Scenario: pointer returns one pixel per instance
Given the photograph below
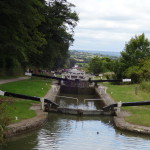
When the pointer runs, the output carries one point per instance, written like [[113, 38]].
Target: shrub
[[4, 119], [109, 75]]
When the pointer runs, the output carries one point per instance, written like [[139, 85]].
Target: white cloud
[[110, 21]]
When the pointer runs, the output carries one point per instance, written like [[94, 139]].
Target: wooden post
[[119, 104], [95, 84], [136, 90], [59, 82]]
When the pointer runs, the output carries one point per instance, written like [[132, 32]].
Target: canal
[[70, 132], [67, 132]]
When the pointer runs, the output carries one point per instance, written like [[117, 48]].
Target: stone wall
[[106, 98]]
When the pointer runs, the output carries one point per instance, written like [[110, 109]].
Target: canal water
[[83, 101], [69, 132]]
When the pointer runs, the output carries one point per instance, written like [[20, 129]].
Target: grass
[[145, 86], [140, 116], [32, 87], [21, 108], [126, 93]]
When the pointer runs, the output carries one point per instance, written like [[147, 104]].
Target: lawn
[[18, 110], [126, 93], [21, 108], [32, 87]]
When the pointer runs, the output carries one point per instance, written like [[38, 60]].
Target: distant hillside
[[106, 53]]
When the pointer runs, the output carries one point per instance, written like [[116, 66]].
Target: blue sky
[[106, 25]]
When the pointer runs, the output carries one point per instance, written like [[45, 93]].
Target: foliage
[[35, 34], [100, 65], [134, 73], [58, 31], [134, 61], [19, 34], [96, 66], [4, 119], [12, 108], [109, 75], [71, 62]]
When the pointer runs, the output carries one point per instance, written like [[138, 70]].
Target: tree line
[[35, 34], [133, 63]]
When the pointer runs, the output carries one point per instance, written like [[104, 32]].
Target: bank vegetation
[[14, 110]]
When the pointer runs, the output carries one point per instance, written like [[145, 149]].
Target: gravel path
[[2, 81]]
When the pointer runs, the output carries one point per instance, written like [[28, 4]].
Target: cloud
[[110, 21]]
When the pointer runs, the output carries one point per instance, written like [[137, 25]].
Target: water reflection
[[63, 132]]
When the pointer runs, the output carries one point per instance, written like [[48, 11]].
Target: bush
[[134, 73], [109, 75], [4, 119]]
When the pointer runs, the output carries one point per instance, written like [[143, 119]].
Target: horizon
[[95, 50], [107, 25]]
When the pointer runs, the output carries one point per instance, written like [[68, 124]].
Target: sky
[[107, 25]]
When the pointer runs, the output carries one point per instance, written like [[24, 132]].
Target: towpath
[[2, 81]]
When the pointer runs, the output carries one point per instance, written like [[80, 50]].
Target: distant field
[[109, 53]]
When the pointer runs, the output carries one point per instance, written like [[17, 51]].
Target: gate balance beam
[[118, 80], [141, 103], [44, 76], [34, 98]]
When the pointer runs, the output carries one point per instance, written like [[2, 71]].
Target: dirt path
[[3, 81]]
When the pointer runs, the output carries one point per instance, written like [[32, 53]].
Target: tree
[[58, 30], [96, 65], [19, 33], [135, 50], [35, 34], [129, 64]]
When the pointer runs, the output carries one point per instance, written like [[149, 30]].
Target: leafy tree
[[35, 34], [19, 34], [145, 69], [130, 63], [96, 65], [58, 30], [135, 50]]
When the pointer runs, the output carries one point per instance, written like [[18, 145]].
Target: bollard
[[2, 93], [105, 89], [16, 117]]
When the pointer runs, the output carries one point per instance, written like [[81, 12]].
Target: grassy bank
[[126, 93], [20, 108], [32, 87]]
